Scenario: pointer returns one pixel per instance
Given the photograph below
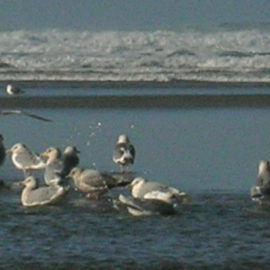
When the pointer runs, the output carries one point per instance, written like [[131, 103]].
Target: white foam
[[242, 55]]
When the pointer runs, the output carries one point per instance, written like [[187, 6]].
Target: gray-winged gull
[[124, 152], [261, 191], [13, 90], [24, 159], [2, 150], [19, 112], [143, 189], [54, 164], [32, 195], [148, 207], [92, 182]]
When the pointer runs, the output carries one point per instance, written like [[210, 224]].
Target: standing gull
[[24, 159], [19, 112], [92, 182], [70, 159], [143, 189], [13, 91], [32, 195], [54, 164], [124, 153], [261, 191]]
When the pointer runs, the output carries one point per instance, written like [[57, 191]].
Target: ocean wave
[[222, 55]]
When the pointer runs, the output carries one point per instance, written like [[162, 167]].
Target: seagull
[[70, 159], [2, 150], [19, 112], [58, 164], [54, 164], [24, 159], [13, 91], [124, 153], [149, 207], [92, 182], [143, 189], [261, 191], [32, 195]]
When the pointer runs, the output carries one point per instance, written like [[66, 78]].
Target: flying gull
[[19, 112]]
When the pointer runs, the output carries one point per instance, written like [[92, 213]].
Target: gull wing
[[25, 113]]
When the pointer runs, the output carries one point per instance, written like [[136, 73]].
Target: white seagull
[[143, 189], [13, 90], [260, 192], [24, 159], [32, 195]]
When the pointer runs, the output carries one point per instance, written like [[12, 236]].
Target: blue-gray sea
[[205, 140]]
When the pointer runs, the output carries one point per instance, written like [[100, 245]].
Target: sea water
[[194, 103], [211, 152]]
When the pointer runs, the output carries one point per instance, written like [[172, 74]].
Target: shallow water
[[210, 152]]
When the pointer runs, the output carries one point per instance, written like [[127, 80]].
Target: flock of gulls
[[61, 168], [62, 175]]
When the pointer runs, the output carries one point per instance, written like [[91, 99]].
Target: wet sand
[[192, 99], [136, 101], [133, 84]]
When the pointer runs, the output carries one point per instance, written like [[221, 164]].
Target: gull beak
[[130, 186], [44, 154], [9, 151], [69, 176], [21, 183]]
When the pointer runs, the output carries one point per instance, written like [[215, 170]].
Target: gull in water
[[24, 159], [54, 164], [148, 207], [59, 164], [19, 112], [2, 150], [70, 159], [124, 153], [92, 182], [32, 195], [13, 91], [261, 191], [143, 189]]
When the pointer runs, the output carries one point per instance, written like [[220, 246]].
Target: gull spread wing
[[25, 113]]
